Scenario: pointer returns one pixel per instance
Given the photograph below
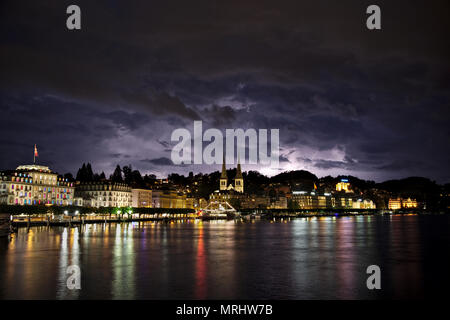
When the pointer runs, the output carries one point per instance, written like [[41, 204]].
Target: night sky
[[347, 100]]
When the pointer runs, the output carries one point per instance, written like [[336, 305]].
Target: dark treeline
[[120, 175]]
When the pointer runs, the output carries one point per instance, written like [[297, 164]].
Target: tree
[[127, 174], [89, 173], [136, 178], [117, 175], [81, 174]]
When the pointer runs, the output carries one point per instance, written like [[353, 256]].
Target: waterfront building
[[395, 204], [168, 198], [104, 194], [278, 203], [226, 195], [399, 203], [240, 200], [344, 202], [191, 203], [409, 203], [364, 204], [141, 198], [35, 185], [254, 202], [314, 200]]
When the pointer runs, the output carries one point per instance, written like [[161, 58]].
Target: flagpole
[[34, 155]]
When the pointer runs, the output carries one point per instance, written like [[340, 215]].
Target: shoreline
[[81, 221]]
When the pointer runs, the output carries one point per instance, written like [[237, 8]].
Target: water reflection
[[200, 266], [307, 258]]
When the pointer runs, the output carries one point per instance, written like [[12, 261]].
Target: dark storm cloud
[[159, 161], [346, 100], [283, 159], [328, 164]]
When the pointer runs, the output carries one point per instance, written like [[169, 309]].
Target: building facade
[[141, 198], [344, 186], [400, 203], [238, 179], [103, 194], [168, 199], [314, 200], [35, 185]]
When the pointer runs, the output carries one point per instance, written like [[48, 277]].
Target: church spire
[[224, 169], [223, 176], [239, 179], [238, 170]]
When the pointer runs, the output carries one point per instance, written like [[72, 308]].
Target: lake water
[[305, 258]]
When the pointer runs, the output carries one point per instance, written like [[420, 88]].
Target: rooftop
[[34, 167]]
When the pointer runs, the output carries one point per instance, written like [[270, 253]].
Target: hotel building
[[34, 185], [103, 194], [168, 199], [141, 198], [399, 203], [313, 200]]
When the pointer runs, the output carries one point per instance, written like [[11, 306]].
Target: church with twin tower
[[238, 179]]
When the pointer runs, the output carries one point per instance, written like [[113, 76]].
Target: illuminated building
[[254, 202], [395, 204], [104, 194], [168, 199], [399, 203], [225, 195], [141, 198], [279, 203], [34, 185], [344, 185], [238, 179], [314, 200], [408, 203], [191, 203], [363, 204]]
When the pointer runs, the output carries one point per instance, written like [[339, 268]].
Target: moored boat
[[217, 210]]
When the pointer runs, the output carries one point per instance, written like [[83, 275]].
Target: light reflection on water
[[307, 258]]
